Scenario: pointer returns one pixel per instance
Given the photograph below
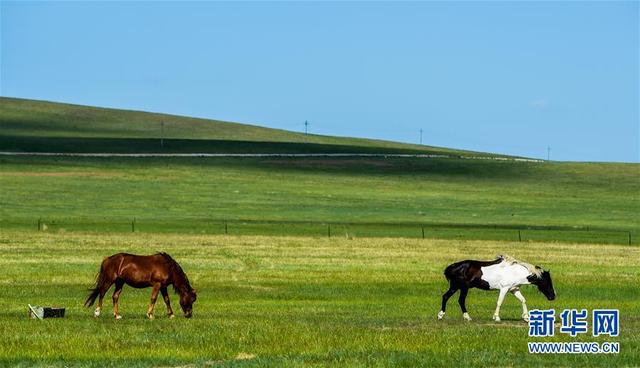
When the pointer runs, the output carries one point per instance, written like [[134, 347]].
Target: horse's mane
[[183, 281], [535, 270]]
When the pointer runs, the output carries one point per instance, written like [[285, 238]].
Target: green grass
[[368, 196], [355, 299], [196, 195], [40, 126], [301, 301]]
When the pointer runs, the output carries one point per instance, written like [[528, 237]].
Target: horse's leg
[[525, 313], [115, 297], [461, 300], [103, 290], [154, 297], [503, 293], [165, 296], [445, 297]]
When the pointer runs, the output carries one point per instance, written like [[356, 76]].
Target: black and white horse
[[505, 274]]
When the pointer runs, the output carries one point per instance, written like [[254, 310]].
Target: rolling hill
[[381, 196], [39, 126]]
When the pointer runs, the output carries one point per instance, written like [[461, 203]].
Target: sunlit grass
[[300, 301]]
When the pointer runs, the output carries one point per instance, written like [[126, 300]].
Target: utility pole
[[306, 126], [162, 134], [420, 136], [548, 152]]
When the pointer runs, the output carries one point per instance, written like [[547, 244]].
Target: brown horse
[[157, 271]]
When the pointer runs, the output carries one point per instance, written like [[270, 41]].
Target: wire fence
[[504, 232]]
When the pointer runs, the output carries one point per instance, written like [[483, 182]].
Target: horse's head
[[186, 302], [544, 284]]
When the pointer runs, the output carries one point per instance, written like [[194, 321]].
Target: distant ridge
[[41, 126]]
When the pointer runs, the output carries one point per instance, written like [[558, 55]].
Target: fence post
[[519, 236], [39, 220], [133, 225], [629, 232], [226, 230], [329, 230], [422, 232]]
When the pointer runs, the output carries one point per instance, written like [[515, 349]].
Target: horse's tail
[[100, 281]]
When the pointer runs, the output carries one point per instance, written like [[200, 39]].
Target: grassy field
[[302, 302], [366, 296], [291, 196], [196, 195]]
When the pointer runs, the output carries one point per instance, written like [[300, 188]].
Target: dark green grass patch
[[154, 145]]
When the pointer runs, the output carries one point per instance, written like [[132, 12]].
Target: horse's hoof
[[118, 316], [171, 316], [440, 315], [525, 318], [96, 313], [466, 316], [496, 318]]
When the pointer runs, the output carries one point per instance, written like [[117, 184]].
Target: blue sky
[[507, 77]]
